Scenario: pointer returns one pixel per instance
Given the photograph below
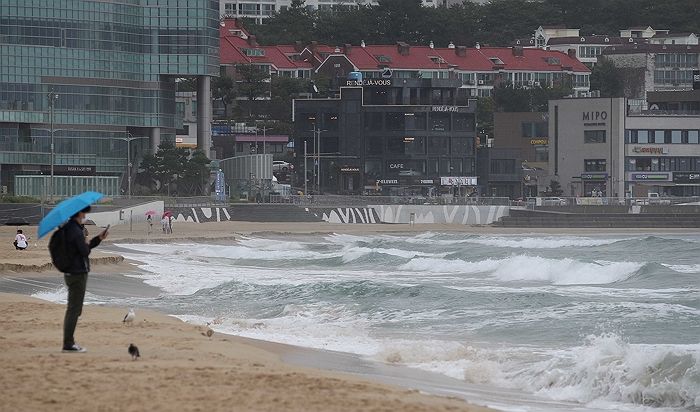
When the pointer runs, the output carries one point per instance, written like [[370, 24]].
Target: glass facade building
[[110, 66]]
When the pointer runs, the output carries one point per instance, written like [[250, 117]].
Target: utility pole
[[306, 171], [52, 99]]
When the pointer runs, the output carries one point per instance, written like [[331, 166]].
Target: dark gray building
[[387, 136]]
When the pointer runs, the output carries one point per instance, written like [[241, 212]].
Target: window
[[693, 137], [440, 122], [395, 121], [464, 122], [541, 153], [503, 166], [595, 165], [373, 121], [416, 121], [535, 129], [438, 145], [594, 136], [463, 146], [254, 52], [676, 136], [375, 145], [659, 137]]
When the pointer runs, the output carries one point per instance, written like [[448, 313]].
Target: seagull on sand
[[129, 318], [134, 351]]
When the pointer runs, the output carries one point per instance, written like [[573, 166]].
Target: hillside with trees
[[497, 23]]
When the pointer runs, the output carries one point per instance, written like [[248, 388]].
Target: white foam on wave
[[607, 368], [564, 271], [540, 242], [683, 268], [533, 268]]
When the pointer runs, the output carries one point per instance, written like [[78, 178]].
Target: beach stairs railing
[[547, 219]]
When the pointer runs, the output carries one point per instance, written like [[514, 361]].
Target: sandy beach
[[180, 369]]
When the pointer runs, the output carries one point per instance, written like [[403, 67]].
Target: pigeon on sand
[[129, 318], [134, 351]]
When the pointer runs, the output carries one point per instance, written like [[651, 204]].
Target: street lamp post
[[317, 156], [306, 171], [129, 137], [52, 99]]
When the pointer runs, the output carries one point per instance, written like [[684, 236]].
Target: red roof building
[[480, 68]]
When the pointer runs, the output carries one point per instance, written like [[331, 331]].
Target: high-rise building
[[84, 83]]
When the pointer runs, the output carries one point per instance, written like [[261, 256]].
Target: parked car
[[554, 201], [281, 166]]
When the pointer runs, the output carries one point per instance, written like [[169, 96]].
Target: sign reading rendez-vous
[[368, 82]]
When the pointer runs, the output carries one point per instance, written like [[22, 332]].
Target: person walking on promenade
[[77, 250]]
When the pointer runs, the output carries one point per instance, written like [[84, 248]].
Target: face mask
[[83, 221]]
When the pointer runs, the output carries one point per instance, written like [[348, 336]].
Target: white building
[[589, 47], [261, 9]]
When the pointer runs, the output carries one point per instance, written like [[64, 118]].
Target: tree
[[223, 88], [173, 167], [554, 189], [195, 175], [251, 83], [283, 90], [608, 79]]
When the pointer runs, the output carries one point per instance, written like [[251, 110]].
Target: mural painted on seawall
[[465, 215], [351, 215], [200, 214]]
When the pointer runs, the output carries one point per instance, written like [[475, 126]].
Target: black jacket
[[77, 247]]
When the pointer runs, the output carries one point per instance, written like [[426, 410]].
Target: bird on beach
[[129, 317], [134, 351], [209, 331]]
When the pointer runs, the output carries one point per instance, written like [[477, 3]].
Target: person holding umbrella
[[70, 252]]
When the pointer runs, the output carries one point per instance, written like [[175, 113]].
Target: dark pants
[[76, 283]]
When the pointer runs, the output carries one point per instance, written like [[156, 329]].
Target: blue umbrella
[[64, 210]]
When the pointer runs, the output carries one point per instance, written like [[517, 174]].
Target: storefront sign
[[458, 181], [368, 82], [650, 176], [388, 182], [696, 79], [594, 116], [539, 141], [395, 165], [445, 109], [426, 181], [650, 149], [348, 169], [69, 170], [686, 177], [594, 176]]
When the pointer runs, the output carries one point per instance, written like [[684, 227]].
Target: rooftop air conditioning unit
[[537, 84], [481, 82]]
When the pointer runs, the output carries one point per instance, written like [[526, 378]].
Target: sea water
[[609, 322]]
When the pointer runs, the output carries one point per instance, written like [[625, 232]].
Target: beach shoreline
[[36, 258], [180, 369]]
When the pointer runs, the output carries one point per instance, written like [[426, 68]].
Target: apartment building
[[262, 9]]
